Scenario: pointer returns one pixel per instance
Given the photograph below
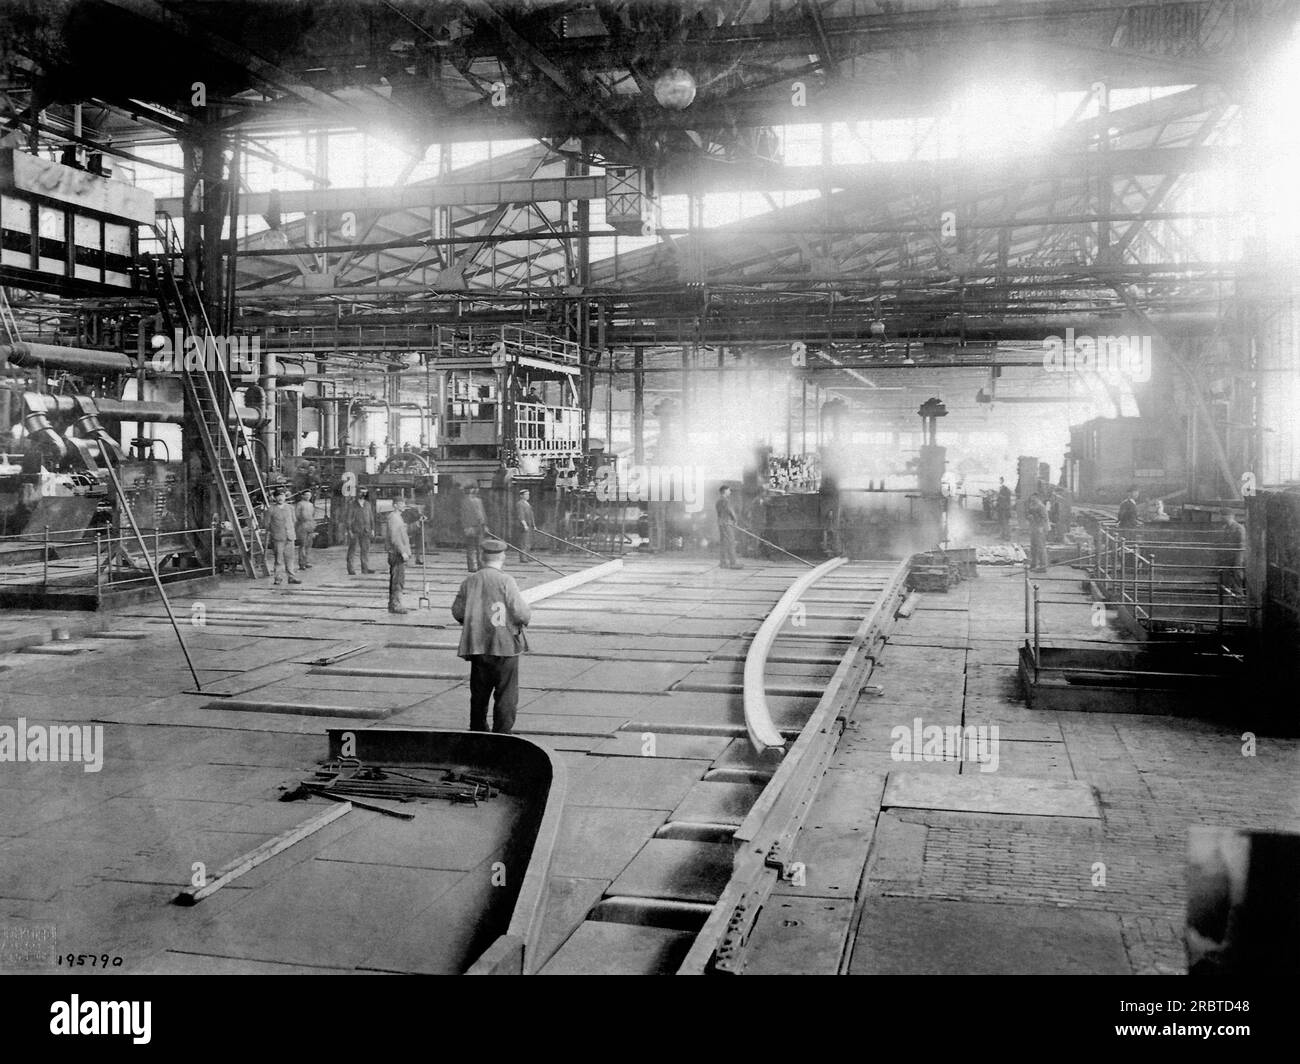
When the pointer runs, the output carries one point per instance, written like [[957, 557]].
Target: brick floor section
[[1154, 777]]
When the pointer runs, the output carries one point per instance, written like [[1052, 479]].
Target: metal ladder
[[211, 397], [7, 322]]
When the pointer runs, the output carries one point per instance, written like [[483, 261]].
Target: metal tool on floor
[[425, 602], [326, 792], [350, 778]]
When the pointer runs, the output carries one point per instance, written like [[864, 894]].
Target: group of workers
[[474, 527], [488, 605], [1044, 510], [288, 525]]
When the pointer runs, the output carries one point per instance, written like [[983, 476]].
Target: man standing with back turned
[[493, 615], [473, 521], [399, 553]]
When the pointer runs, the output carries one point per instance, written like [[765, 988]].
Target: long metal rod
[[530, 557], [1026, 600], [796, 557], [1037, 649], [579, 546], [153, 569]]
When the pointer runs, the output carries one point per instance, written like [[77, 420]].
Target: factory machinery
[[76, 418], [82, 482]]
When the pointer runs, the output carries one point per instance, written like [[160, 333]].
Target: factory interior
[[886, 411]]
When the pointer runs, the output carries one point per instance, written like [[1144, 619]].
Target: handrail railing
[[117, 558], [1124, 569]]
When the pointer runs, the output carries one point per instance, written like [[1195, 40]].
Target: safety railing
[[1163, 594], [516, 341], [540, 345], [344, 337], [100, 558]]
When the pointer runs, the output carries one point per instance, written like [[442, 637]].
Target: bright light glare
[[1276, 141], [994, 119]]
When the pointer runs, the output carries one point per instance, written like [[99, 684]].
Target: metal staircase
[[210, 394]]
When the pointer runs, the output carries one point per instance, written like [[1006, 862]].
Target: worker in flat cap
[[524, 519], [359, 521], [493, 615], [280, 528]]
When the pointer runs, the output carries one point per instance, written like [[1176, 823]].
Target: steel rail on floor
[[763, 734], [764, 839]]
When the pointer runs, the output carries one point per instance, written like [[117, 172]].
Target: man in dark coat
[[727, 528], [524, 521], [1003, 507], [493, 615], [1128, 510], [359, 524]]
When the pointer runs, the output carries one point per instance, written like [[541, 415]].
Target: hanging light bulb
[[675, 89]]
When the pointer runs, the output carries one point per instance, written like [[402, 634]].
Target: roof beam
[[1072, 165], [579, 96], [188, 28], [420, 196]]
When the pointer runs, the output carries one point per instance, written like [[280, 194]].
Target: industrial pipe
[[286, 373], [41, 356], [88, 425], [37, 424], [270, 425], [123, 409]]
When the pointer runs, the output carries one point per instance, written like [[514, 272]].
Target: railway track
[[687, 900]]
